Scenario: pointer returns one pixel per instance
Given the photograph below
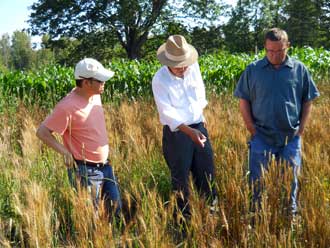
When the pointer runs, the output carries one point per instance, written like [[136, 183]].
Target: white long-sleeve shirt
[[179, 100]]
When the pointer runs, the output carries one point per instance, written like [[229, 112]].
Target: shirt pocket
[[293, 90], [293, 83], [177, 97]]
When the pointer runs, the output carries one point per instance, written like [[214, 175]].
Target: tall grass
[[38, 208]]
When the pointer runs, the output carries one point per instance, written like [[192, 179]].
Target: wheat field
[[38, 208]]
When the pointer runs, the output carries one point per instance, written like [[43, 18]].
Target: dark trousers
[[182, 155]]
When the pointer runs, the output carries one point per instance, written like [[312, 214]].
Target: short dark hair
[[79, 82], [276, 34]]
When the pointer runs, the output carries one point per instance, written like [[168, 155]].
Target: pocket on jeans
[[253, 136], [295, 143], [250, 140], [258, 145]]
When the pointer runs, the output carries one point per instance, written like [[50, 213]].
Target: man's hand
[[245, 109], [300, 132], [45, 135], [252, 131], [305, 113], [68, 159], [196, 136]]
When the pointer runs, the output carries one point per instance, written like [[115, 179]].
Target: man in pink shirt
[[79, 119]]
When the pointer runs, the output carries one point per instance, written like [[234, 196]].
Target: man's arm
[[245, 109], [46, 136], [305, 113], [197, 136]]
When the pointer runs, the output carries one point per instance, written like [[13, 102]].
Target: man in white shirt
[[179, 94]]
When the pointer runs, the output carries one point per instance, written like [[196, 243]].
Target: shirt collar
[[288, 62], [264, 62]]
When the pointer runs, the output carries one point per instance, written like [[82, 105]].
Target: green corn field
[[132, 80]]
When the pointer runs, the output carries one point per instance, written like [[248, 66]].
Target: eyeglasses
[[276, 51], [98, 81], [93, 79]]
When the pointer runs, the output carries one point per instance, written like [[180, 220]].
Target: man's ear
[[86, 82]]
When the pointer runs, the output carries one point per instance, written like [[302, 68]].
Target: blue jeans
[[104, 182], [259, 157]]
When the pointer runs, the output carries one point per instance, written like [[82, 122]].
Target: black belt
[[195, 125], [91, 164]]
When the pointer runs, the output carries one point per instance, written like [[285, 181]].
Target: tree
[[43, 56], [207, 39], [238, 30], [324, 9], [130, 20], [159, 35], [5, 51], [248, 22], [21, 51], [303, 22], [98, 45], [266, 14]]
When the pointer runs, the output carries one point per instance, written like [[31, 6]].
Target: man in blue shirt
[[276, 96]]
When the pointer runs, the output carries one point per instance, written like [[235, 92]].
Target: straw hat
[[176, 52]]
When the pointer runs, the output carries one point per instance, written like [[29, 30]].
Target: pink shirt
[[82, 126]]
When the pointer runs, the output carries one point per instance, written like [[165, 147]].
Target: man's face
[[178, 71], [96, 86], [276, 51]]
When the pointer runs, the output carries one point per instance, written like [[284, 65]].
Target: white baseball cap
[[91, 68]]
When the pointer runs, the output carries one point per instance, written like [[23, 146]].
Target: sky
[[15, 13]]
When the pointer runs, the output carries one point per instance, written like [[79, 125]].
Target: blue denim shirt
[[276, 97]]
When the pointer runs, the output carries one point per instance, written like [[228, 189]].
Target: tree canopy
[[306, 22], [130, 21], [102, 29]]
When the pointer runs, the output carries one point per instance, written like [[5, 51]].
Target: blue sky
[[15, 13]]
